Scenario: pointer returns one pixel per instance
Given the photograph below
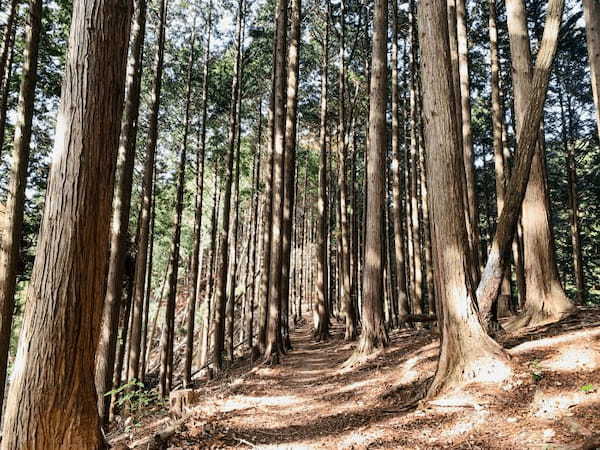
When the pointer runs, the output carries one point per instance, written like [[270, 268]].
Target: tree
[[374, 334], [105, 354], [11, 238], [141, 256], [591, 10], [61, 324], [467, 353]]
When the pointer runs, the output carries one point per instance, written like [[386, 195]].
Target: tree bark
[[146, 200], [105, 354], [6, 66], [52, 403], [467, 353], [528, 133], [374, 334], [223, 254], [10, 240]]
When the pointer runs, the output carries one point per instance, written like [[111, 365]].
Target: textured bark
[[105, 354], [528, 133], [166, 345], [398, 213], [320, 319], [467, 137], [52, 403], [274, 314], [497, 131], [218, 339], [146, 200], [6, 65], [148, 292], [10, 239], [374, 334], [545, 298], [197, 251], [467, 353], [591, 10], [293, 69]]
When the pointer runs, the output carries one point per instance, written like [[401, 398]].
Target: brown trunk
[[144, 216], [374, 334], [218, 339], [105, 354], [274, 315], [6, 68], [52, 403], [293, 56], [545, 299], [148, 292], [197, 251], [467, 354], [166, 347], [528, 133], [10, 239], [591, 10]]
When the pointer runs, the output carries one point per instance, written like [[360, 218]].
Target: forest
[[347, 224]]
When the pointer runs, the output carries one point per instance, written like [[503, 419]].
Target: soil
[[311, 400]]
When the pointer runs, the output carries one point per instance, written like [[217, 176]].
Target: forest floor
[[311, 401]]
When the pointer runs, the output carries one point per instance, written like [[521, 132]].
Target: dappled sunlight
[[574, 358], [553, 405]]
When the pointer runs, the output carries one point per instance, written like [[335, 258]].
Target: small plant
[[536, 373], [588, 388], [133, 396]]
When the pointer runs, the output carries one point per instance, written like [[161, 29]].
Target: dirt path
[[311, 401]]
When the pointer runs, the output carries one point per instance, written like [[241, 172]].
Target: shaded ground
[[310, 401]]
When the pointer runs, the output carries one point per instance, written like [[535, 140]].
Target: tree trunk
[[374, 334], [321, 321], [166, 348], [197, 251], [144, 215], [10, 240], [223, 254], [105, 354], [528, 133], [6, 66], [148, 291], [591, 10], [467, 353], [52, 403], [545, 299]]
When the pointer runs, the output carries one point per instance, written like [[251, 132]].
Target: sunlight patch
[[574, 358]]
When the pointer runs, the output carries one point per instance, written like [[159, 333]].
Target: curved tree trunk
[[105, 354], [52, 403]]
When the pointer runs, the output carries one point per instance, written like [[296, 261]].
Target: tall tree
[[467, 353], [374, 334], [52, 403], [10, 240], [141, 257], [168, 336], [293, 69], [279, 99], [196, 255], [224, 238], [105, 354]]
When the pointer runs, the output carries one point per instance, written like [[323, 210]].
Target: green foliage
[[134, 397]]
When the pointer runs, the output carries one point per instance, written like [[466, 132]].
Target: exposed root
[[537, 318]]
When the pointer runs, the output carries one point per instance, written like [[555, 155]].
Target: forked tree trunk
[[467, 353], [293, 69], [320, 319], [105, 354], [528, 133], [218, 339], [374, 334], [10, 240], [146, 200], [274, 314], [591, 10], [52, 401], [545, 298], [199, 200], [166, 345]]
